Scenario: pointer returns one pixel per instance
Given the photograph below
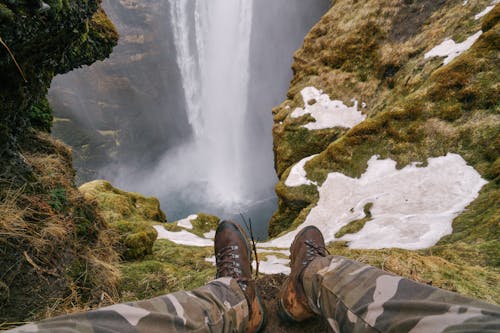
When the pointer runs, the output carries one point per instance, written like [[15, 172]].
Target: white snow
[[273, 265], [298, 175], [449, 49], [182, 237], [211, 259], [465, 2], [487, 9], [186, 223], [412, 207], [270, 265], [326, 112], [210, 234]]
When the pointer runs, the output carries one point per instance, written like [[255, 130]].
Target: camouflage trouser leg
[[354, 297], [219, 306]]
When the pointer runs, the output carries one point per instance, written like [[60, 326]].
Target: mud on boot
[[307, 246]]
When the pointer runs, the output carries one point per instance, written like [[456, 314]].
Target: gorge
[[189, 122], [384, 135]]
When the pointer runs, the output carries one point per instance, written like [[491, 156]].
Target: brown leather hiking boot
[[307, 245], [233, 259]]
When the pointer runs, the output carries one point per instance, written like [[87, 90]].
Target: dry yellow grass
[[58, 253]]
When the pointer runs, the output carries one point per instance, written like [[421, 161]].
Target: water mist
[[182, 109], [212, 40]]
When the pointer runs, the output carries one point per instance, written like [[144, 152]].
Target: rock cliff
[[389, 131], [55, 250], [385, 90]]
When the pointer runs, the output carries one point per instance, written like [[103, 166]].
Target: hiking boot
[[233, 259], [307, 246]]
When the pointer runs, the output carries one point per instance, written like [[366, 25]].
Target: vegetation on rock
[[56, 251], [417, 108], [36, 45], [131, 215]]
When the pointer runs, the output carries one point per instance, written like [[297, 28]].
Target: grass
[[417, 108], [171, 267], [57, 252], [428, 267], [131, 215]]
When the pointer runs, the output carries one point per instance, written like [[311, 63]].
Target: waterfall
[[174, 95], [212, 41]]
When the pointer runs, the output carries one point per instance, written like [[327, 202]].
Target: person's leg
[[353, 297], [229, 304], [219, 306]]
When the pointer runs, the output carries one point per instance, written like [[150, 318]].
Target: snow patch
[[487, 10], [273, 265], [449, 49], [182, 237], [298, 175], [186, 223], [412, 208], [211, 260], [327, 113], [210, 234]]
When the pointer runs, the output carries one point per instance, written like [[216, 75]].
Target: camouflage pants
[[219, 306], [353, 297], [350, 296]]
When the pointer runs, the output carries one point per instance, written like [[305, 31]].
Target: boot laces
[[228, 265], [314, 250]]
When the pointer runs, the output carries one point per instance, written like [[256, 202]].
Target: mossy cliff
[[151, 267], [56, 252], [39, 42], [416, 108], [130, 214]]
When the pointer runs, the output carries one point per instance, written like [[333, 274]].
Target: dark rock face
[[36, 45], [48, 232], [130, 108]]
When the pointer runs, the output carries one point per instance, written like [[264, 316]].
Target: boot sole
[[262, 308]]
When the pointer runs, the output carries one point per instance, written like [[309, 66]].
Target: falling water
[[212, 40], [175, 94]]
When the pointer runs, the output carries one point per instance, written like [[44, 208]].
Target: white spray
[[212, 40]]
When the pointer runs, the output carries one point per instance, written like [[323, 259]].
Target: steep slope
[[56, 252], [419, 83]]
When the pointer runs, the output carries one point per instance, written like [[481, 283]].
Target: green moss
[[6, 14], [170, 268], [40, 116], [300, 143], [130, 214], [356, 225], [117, 204], [204, 223], [140, 243], [430, 110], [58, 198]]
